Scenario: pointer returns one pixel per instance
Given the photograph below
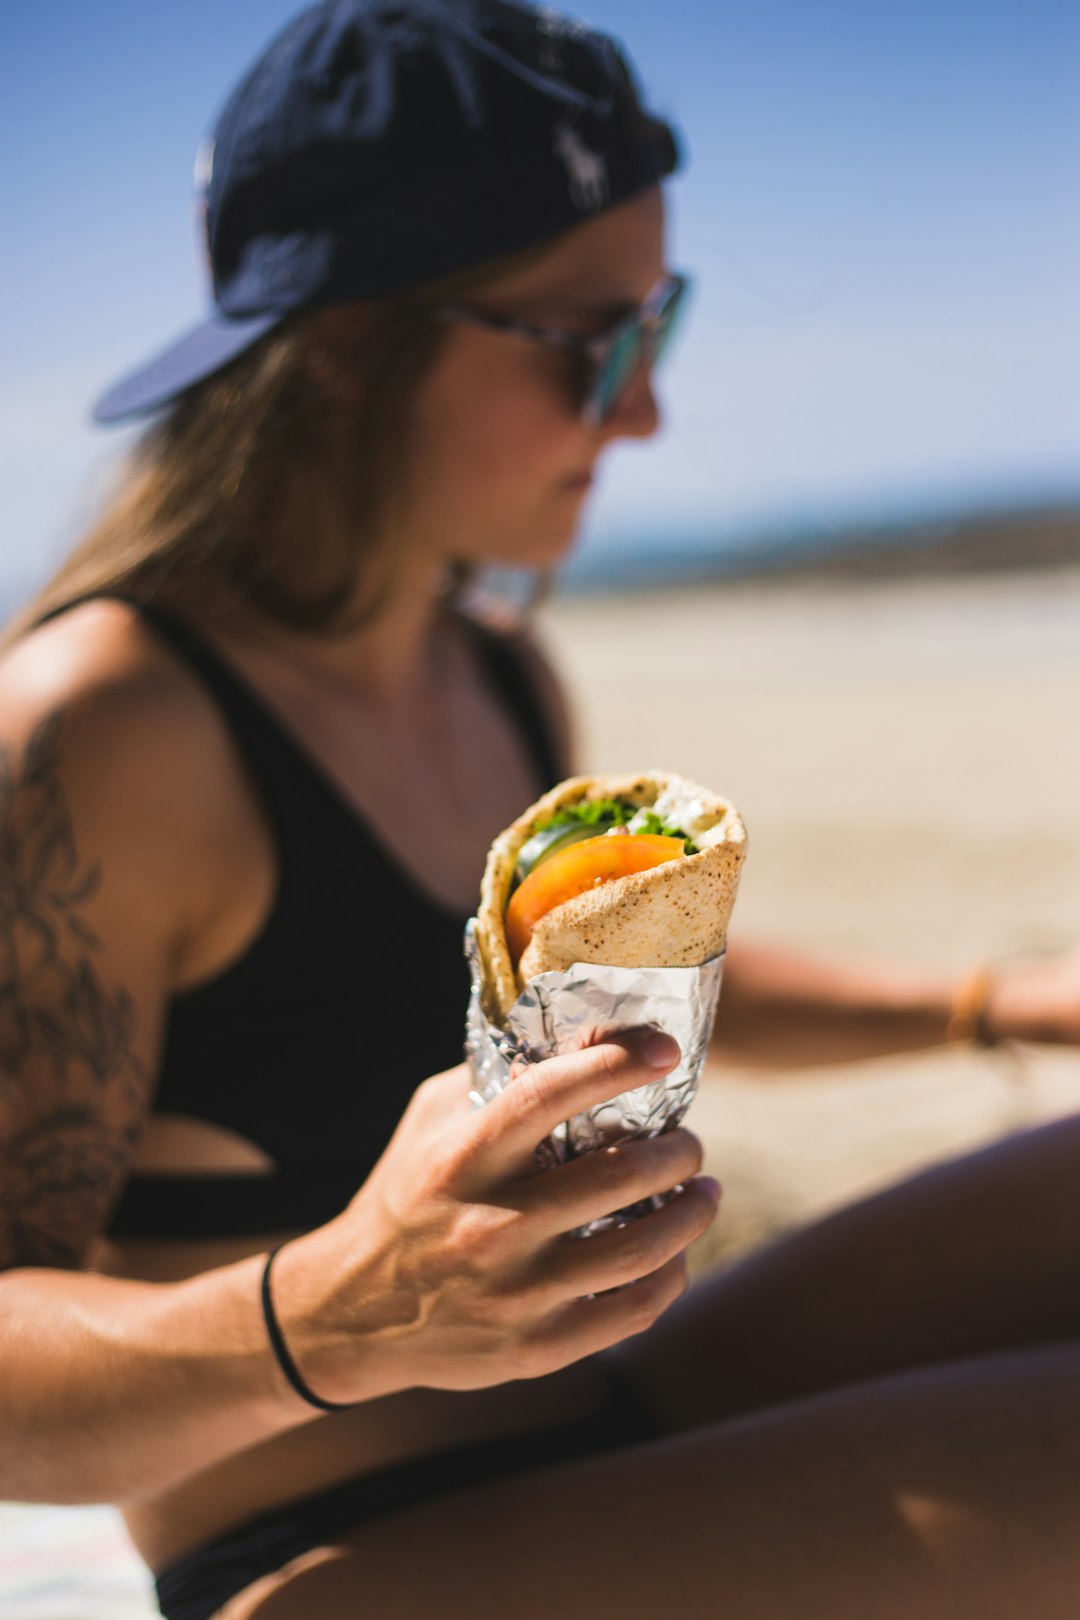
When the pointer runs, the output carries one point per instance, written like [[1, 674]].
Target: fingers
[[612, 1178], [531, 1107], [588, 1325], [630, 1277], [608, 1260]]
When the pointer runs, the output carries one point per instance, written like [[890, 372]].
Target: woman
[[255, 751]]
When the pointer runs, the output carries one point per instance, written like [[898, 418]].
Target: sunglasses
[[612, 358]]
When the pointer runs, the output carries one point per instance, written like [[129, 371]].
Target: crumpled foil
[[563, 1012]]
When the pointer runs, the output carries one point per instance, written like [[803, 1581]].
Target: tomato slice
[[581, 867]]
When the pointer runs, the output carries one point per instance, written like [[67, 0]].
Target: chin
[[539, 551]]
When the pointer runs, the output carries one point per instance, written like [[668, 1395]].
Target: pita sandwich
[[674, 914]]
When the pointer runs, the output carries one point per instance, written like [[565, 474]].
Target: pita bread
[[674, 915]]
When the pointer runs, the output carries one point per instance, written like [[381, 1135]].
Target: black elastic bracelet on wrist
[[281, 1349]]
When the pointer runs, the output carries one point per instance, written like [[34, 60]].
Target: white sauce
[[680, 805]]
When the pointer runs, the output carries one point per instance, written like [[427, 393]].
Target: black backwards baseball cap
[[380, 144]]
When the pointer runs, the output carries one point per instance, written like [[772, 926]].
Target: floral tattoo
[[72, 1089]]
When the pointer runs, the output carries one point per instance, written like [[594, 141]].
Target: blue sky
[[880, 211]]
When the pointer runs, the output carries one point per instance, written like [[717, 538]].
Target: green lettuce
[[606, 813]]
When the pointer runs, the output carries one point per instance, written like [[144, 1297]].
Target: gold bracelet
[[969, 1009]]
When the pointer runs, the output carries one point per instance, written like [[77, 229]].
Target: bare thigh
[[975, 1256], [948, 1493]]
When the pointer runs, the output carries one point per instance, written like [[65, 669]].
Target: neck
[[389, 656], [386, 659]]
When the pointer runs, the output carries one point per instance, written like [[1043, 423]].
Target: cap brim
[[199, 354]]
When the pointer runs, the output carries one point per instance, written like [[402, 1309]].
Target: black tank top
[[354, 990]]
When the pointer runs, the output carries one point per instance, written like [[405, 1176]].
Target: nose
[[636, 414]]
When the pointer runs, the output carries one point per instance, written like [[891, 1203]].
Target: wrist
[[301, 1291], [315, 1287], [279, 1346], [972, 1016]]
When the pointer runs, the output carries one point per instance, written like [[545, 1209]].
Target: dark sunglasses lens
[[616, 372], [667, 321], [634, 343]]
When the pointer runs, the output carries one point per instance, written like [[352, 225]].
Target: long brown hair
[[218, 494]]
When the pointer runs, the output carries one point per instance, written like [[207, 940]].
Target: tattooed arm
[[108, 1387], [73, 1085]]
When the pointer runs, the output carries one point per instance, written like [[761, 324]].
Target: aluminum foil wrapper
[[563, 1012]]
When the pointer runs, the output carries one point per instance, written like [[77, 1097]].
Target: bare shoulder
[[100, 661], [502, 620], [95, 699]]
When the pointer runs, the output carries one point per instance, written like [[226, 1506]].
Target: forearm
[[111, 1388], [783, 1009]]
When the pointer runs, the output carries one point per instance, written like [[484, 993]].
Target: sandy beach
[[905, 755]]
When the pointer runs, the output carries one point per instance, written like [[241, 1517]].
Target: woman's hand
[[451, 1268], [1037, 1001]]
